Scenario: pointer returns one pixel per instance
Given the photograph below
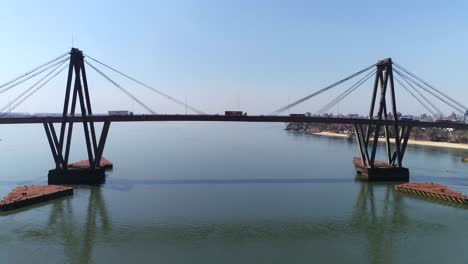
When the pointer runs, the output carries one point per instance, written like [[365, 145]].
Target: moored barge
[[433, 190], [28, 195]]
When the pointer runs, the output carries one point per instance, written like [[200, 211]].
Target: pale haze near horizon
[[219, 55]]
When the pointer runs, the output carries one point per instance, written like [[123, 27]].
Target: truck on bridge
[[234, 113], [120, 112]]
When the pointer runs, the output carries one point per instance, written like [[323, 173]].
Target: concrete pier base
[[77, 176], [380, 172]]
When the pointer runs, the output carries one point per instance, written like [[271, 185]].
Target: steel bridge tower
[[368, 137], [76, 90]]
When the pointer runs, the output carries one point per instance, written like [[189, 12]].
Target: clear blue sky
[[212, 52]]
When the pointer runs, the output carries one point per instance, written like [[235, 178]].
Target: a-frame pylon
[[76, 90], [368, 136]]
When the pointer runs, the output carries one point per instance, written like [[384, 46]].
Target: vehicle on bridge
[[408, 117], [120, 112], [233, 113], [297, 115]]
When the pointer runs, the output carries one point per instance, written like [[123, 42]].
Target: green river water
[[229, 193]]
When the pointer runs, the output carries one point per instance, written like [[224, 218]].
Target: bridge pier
[[60, 145], [64, 173], [380, 172], [77, 176], [367, 167]]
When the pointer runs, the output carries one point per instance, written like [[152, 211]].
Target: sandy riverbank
[[411, 142]]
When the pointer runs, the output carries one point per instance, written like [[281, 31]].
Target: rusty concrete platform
[[28, 195], [84, 164]]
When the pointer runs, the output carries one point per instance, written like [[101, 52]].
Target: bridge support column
[[394, 135], [76, 90], [90, 173], [381, 170]]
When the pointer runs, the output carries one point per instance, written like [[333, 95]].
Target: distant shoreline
[[410, 142]]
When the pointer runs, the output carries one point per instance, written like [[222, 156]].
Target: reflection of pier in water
[[79, 242], [378, 218], [379, 226]]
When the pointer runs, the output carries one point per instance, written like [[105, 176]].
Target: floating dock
[[433, 190], [380, 172], [84, 164], [28, 195]]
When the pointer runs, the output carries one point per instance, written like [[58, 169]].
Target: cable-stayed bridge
[[381, 117]]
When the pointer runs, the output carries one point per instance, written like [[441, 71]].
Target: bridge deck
[[223, 118]]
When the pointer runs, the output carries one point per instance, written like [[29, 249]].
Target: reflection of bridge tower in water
[[380, 222], [79, 244]]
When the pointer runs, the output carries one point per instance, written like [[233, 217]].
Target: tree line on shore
[[417, 133]]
